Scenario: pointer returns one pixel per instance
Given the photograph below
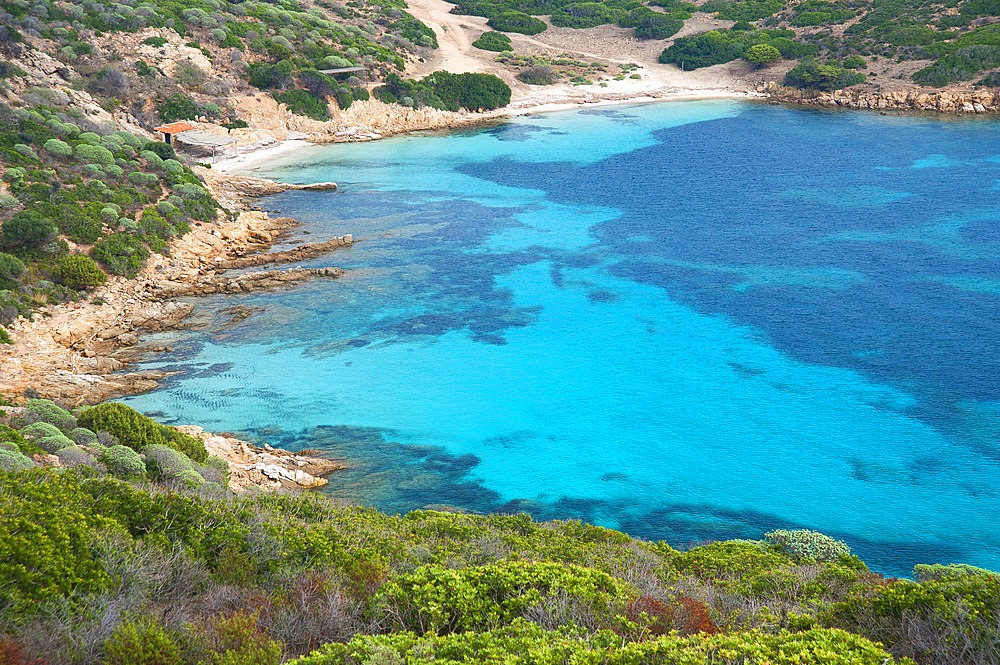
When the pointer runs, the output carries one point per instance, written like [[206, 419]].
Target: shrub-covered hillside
[[833, 42], [136, 555], [215, 48], [81, 199]]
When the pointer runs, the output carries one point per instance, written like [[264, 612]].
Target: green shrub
[[806, 545], [11, 268], [14, 461], [855, 62], [142, 642], [39, 430], [58, 148], [166, 464], [155, 42], [523, 643], [493, 41], [178, 107], [94, 154], [137, 431], [53, 444], [933, 572], [47, 411], [514, 21], [302, 102], [442, 600], [811, 74], [28, 227], [78, 271], [121, 253], [160, 149], [123, 462], [761, 54], [10, 435], [82, 436]]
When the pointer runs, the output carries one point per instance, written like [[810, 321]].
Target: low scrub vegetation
[[137, 554]]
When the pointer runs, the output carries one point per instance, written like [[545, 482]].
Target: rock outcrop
[[265, 467], [981, 101], [68, 352], [304, 252], [245, 283]]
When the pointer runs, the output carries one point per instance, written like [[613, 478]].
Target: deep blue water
[[688, 321]]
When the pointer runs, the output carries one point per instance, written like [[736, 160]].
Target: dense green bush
[[10, 435], [806, 545], [40, 430], [447, 91], [123, 462], [45, 543], [78, 271], [58, 148], [137, 431], [11, 268], [302, 102], [11, 460], [47, 411], [493, 41], [121, 253], [94, 154], [831, 76], [441, 600], [160, 149], [761, 54], [719, 46], [178, 106], [514, 21], [522, 643], [28, 228]]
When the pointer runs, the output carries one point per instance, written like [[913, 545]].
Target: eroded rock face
[[265, 467]]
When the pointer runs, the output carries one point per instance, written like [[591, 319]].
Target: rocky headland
[[72, 352]]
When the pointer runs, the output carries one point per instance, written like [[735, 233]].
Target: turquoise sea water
[[688, 321]]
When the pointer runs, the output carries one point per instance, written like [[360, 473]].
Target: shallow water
[[688, 321]]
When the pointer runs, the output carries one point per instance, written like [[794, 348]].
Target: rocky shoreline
[[915, 100], [73, 352]]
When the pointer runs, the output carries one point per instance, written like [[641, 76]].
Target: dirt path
[[606, 43], [455, 35]]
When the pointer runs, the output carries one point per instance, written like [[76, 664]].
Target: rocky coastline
[[78, 353], [914, 100]]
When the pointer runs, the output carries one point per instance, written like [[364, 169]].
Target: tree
[[761, 54]]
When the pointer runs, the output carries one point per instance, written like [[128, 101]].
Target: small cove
[[688, 321]]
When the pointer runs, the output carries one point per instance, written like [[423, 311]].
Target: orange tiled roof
[[174, 128]]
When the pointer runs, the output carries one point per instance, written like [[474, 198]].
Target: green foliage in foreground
[[211, 578], [522, 643]]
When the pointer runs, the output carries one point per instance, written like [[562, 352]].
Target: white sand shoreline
[[253, 156]]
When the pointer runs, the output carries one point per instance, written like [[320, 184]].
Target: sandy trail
[[455, 34], [607, 43]]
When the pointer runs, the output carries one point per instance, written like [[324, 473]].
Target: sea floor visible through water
[[688, 320]]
